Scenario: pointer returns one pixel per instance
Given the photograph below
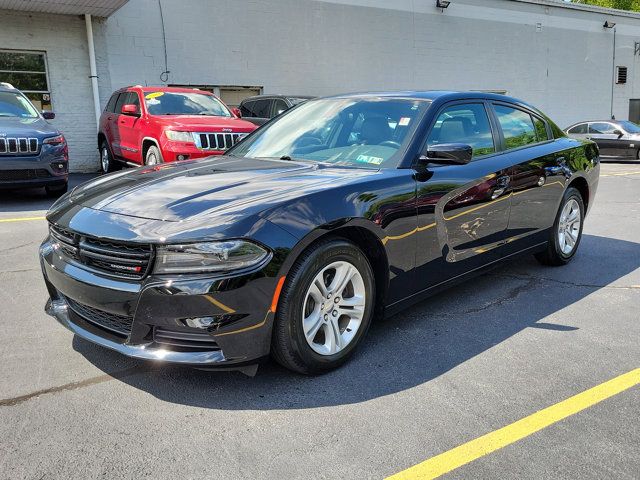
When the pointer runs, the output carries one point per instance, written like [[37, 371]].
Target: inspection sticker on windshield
[[151, 95], [404, 121], [369, 159]]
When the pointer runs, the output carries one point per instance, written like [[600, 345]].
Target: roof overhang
[[98, 8]]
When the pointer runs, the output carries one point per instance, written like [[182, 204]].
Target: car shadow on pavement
[[408, 349], [31, 199]]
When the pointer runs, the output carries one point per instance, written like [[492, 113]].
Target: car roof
[[276, 95], [165, 89]]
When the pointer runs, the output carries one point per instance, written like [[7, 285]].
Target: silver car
[[616, 139]]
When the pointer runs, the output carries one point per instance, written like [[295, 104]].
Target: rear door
[[463, 210], [609, 142], [536, 174]]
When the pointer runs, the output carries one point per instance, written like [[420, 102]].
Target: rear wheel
[[325, 308], [107, 164], [57, 191], [566, 232], [153, 156]]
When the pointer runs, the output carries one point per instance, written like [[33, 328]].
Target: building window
[[232, 95], [27, 71]]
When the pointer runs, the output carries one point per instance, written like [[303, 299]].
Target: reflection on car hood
[[216, 187], [26, 127], [205, 123]]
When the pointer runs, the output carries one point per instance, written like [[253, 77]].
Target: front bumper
[[49, 168], [171, 150], [239, 306]]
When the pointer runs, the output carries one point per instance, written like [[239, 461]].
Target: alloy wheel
[[569, 226], [333, 308], [104, 159]]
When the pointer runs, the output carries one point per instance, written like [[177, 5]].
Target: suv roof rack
[[7, 85]]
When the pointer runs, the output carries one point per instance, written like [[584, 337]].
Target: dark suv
[[32, 152], [262, 108]]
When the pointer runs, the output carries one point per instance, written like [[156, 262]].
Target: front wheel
[[107, 164], [325, 308], [566, 232], [153, 157]]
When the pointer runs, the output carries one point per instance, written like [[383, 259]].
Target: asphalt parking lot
[[451, 369]]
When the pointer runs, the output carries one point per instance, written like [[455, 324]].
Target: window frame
[[46, 75], [503, 148], [589, 132], [490, 117]]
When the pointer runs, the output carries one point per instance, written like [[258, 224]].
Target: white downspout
[[92, 66]]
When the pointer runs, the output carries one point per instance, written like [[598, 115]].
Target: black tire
[[57, 191], [153, 156], [553, 255], [107, 163], [289, 345]]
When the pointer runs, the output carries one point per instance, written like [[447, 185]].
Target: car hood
[[26, 127], [194, 198], [205, 123]]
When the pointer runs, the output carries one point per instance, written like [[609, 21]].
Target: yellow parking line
[[23, 219], [618, 174], [481, 446]]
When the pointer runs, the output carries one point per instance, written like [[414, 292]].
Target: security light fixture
[[442, 4], [609, 24]]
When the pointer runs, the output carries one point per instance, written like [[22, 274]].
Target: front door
[[463, 210], [610, 143]]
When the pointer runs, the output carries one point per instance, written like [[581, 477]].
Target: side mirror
[[448, 154], [236, 112], [48, 115], [130, 109], [620, 133]]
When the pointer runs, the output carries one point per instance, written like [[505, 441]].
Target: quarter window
[[111, 104], [579, 129], [27, 71], [517, 127], [467, 124]]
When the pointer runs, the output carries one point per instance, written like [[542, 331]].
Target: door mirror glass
[[130, 109], [448, 154]]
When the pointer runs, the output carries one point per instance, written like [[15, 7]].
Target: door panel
[[608, 142], [463, 210]]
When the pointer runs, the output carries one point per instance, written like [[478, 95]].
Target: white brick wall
[[63, 38]]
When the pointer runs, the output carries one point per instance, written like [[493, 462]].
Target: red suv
[[151, 125]]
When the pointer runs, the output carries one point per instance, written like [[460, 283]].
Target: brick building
[[556, 55]]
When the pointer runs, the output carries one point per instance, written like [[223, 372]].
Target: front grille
[[217, 141], [22, 145], [118, 324], [184, 340], [118, 259], [25, 174]]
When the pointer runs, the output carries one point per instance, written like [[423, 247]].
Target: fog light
[[182, 157], [199, 322]]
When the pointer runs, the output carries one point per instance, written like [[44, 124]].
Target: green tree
[[619, 4]]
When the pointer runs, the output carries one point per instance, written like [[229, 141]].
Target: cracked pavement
[[470, 360]]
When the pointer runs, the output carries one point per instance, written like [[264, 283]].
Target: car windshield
[[630, 127], [16, 105], [360, 131], [184, 103]]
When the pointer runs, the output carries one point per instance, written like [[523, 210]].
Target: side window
[[247, 109], [541, 129], [517, 126], [262, 108], [579, 129], [134, 99], [601, 127], [111, 104], [122, 100], [468, 124], [279, 106]]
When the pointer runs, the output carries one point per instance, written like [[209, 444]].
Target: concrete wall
[[64, 39], [325, 47]]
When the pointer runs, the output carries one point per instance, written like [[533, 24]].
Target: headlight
[[208, 257], [176, 136]]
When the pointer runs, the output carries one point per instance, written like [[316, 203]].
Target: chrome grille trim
[[15, 145], [219, 141]]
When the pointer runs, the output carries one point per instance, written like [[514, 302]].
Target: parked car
[[262, 108], [33, 153], [617, 140], [340, 209], [152, 125]]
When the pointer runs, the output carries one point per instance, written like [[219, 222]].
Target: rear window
[[579, 129]]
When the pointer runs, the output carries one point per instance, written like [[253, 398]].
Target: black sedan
[[617, 140], [342, 210]]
